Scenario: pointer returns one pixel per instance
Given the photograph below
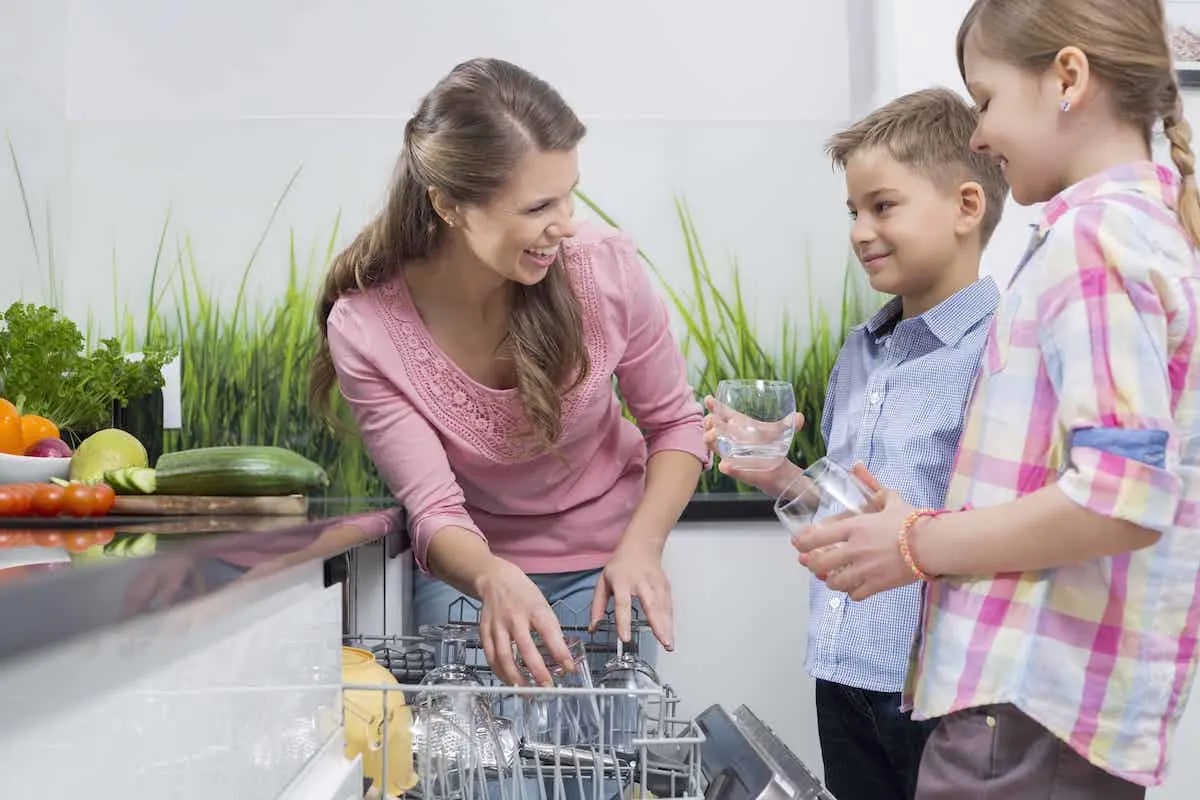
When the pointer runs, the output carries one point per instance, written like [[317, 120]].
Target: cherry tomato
[[48, 538], [24, 494], [79, 541], [103, 498], [18, 538], [8, 502], [48, 500], [79, 500]]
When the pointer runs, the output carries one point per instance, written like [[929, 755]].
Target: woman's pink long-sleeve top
[[448, 447]]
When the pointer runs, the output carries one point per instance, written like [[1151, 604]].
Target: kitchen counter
[[179, 657], [61, 582]]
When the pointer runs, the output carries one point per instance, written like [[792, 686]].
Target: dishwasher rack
[[489, 741]]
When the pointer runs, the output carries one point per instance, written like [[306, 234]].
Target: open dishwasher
[[440, 726]]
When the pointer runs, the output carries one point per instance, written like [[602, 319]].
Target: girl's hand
[[859, 554]]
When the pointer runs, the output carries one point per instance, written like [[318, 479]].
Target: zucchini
[[241, 471]]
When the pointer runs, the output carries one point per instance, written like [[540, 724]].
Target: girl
[[1060, 617]]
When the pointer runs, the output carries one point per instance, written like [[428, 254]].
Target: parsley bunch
[[44, 370]]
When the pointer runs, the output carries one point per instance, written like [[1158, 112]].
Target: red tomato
[[8, 501], [79, 541], [48, 500], [79, 500], [17, 499], [103, 498], [48, 538]]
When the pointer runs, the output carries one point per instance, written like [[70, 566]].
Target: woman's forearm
[[460, 558], [671, 477]]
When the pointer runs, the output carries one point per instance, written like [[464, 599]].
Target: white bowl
[[28, 469]]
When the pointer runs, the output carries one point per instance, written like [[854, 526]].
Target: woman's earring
[[1066, 105]]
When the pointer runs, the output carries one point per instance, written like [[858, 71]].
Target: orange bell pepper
[[11, 441], [34, 429]]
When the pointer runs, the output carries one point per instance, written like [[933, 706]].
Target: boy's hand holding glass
[[750, 425]]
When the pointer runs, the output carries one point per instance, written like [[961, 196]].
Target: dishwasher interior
[[433, 723]]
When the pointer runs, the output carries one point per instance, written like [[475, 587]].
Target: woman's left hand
[[636, 571], [859, 555]]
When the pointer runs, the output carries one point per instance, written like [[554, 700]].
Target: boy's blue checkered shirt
[[895, 402]]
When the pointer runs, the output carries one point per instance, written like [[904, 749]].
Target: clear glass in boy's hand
[[757, 423]]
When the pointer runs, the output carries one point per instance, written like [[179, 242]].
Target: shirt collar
[[1140, 177], [951, 319]]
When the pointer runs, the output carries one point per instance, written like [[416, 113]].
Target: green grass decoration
[[245, 368]]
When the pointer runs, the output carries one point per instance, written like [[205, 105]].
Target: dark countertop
[[51, 576]]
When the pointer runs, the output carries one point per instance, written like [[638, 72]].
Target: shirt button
[[874, 398], [835, 602], [991, 721]]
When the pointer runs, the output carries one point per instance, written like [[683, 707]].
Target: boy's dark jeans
[[870, 750]]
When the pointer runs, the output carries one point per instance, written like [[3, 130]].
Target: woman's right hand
[[512, 607], [769, 481]]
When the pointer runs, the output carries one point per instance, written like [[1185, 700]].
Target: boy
[[923, 207]]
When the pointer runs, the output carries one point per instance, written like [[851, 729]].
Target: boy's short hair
[[928, 131]]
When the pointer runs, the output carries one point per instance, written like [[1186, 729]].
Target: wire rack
[[477, 742], [473, 738]]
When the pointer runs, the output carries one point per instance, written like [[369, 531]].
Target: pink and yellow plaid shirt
[[1093, 355]]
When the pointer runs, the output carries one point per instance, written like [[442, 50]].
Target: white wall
[[32, 119], [204, 111]]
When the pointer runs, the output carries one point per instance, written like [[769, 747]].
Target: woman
[[475, 330]]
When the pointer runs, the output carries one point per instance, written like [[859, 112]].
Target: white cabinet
[[230, 696], [329, 776]]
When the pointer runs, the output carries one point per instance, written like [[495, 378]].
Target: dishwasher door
[[743, 759]]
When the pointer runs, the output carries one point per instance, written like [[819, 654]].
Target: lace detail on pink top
[[489, 420]]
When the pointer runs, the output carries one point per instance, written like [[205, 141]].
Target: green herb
[[45, 370]]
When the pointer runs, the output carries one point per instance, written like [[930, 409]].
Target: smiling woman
[[475, 330]]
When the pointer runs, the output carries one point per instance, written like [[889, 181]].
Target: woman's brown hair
[[466, 138], [1127, 48]]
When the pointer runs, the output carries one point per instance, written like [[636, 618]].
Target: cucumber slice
[[143, 545], [131, 480], [116, 478], [141, 479]]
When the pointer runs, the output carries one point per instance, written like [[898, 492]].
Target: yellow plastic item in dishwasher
[[365, 719]]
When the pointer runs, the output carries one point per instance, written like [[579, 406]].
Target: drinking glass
[[558, 719], [623, 714], [824, 490], [757, 420]]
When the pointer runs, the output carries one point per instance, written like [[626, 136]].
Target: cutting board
[[198, 505]]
